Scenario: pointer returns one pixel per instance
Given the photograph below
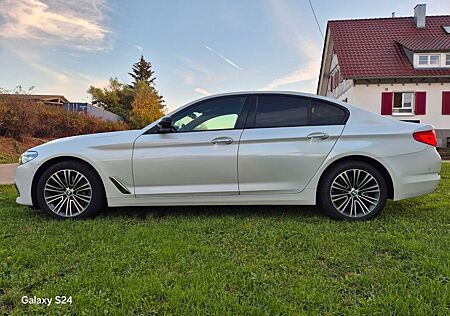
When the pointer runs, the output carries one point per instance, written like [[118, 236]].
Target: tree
[[142, 71], [146, 106], [116, 97]]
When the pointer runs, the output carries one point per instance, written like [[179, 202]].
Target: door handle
[[222, 141], [318, 135]]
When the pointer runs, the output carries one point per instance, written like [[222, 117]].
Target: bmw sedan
[[235, 149]]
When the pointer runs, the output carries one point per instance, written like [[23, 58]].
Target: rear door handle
[[318, 135], [222, 141]]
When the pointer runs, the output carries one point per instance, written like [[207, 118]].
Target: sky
[[196, 47]]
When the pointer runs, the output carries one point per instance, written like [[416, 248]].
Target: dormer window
[[431, 60], [435, 60]]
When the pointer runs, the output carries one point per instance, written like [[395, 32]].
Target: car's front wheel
[[70, 189], [352, 190]]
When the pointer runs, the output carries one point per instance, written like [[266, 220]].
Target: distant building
[[42, 98], [92, 110], [78, 107], [398, 67]]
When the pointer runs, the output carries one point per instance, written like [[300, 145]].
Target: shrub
[[20, 118]]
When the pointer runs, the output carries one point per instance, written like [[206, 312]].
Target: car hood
[[76, 143]]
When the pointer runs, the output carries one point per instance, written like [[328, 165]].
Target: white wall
[[342, 91], [369, 97], [102, 113]]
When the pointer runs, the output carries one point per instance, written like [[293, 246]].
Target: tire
[[352, 190], [70, 190]]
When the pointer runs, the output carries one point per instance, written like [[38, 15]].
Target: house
[[398, 67], [47, 99], [93, 110], [74, 107]]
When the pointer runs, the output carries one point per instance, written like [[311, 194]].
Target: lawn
[[229, 260]]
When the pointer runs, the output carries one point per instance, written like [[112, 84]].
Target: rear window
[[281, 111], [323, 113]]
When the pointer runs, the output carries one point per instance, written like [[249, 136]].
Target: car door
[[198, 157], [286, 140]]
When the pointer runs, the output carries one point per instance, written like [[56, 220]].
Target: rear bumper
[[414, 174]]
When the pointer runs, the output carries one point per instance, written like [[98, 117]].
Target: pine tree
[[142, 71]]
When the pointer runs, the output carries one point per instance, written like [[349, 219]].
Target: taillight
[[426, 137]]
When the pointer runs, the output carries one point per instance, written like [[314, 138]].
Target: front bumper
[[24, 181]]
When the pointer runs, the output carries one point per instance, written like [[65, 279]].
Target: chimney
[[393, 14], [420, 15]]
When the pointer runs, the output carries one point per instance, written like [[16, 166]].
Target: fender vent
[[123, 189]]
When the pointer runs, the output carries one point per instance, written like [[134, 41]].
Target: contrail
[[226, 59]]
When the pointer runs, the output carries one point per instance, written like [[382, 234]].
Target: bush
[[21, 118]]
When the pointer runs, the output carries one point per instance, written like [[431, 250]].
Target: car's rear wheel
[[70, 189], [352, 190]]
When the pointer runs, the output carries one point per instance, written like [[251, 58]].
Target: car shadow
[[214, 211]]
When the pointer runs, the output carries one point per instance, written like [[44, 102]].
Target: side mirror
[[165, 125]]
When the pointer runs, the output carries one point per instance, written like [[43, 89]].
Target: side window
[[215, 114], [281, 111], [323, 113]]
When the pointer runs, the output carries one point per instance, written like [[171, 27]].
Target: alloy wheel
[[355, 193], [67, 193]]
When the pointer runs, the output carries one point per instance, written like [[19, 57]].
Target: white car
[[271, 148]]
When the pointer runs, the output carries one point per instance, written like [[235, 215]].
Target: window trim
[[240, 122], [413, 104], [250, 124], [441, 64]]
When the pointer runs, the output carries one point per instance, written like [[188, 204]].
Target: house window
[[430, 60], [403, 103], [435, 60], [423, 60]]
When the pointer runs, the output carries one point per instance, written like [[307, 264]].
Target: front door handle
[[222, 141], [318, 135]]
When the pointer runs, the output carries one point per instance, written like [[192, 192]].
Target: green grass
[[8, 158], [230, 260]]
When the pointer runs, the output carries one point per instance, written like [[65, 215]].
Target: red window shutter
[[421, 103], [386, 103], [446, 102]]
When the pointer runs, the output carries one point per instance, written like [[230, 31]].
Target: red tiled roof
[[372, 48]]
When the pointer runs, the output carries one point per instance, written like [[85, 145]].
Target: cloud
[[75, 24], [226, 59], [290, 24], [73, 85], [303, 73], [203, 91]]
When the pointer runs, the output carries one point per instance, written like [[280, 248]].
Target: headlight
[[27, 156]]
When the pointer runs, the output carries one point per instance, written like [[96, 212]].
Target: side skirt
[[306, 197]]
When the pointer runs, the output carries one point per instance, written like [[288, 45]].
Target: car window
[[323, 113], [215, 114], [281, 111], [219, 122]]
